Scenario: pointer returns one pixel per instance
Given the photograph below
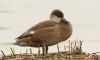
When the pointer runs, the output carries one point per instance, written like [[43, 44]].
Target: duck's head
[[57, 16]]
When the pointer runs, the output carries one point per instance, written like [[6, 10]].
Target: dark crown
[[57, 13]]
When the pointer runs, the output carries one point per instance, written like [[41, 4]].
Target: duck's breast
[[66, 31]]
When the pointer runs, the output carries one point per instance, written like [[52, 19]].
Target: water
[[16, 16]]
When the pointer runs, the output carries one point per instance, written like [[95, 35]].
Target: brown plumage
[[47, 33]]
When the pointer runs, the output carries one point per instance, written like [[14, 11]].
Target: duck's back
[[44, 24]]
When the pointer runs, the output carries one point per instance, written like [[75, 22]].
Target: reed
[[3, 54], [58, 48], [12, 51]]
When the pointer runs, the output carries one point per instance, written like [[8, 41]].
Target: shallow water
[[16, 16]]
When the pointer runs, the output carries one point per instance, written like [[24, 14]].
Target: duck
[[47, 33]]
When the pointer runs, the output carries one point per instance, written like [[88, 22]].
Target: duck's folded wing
[[41, 25], [44, 34], [26, 34]]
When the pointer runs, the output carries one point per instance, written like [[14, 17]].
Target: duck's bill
[[64, 20]]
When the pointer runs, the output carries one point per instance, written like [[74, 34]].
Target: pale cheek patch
[[55, 18], [32, 32]]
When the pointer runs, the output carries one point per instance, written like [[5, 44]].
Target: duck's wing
[[45, 34], [37, 32], [41, 25]]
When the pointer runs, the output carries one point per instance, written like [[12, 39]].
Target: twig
[[31, 53], [12, 50], [39, 50], [71, 46], [69, 49], [3, 53], [20, 54], [26, 52], [58, 48], [65, 48]]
